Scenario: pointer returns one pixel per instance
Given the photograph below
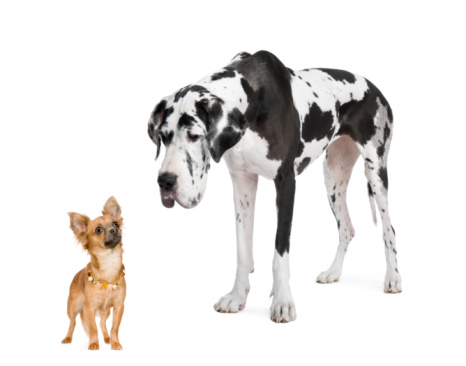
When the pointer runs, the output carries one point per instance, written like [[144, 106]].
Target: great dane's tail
[[371, 201]]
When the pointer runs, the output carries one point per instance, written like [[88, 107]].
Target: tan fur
[[86, 298]]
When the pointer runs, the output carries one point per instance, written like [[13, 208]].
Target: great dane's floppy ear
[[224, 127], [154, 123]]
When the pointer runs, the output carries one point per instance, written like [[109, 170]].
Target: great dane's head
[[194, 125]]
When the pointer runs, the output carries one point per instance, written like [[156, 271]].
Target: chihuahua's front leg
[[117, 315], [89, 316]]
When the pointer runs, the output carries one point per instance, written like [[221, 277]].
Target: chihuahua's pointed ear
[[154, 123], [79, 223], [112, 208]]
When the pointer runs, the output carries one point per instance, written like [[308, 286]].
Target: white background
[[78, 82]]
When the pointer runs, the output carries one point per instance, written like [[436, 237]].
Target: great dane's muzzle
[[167, 182]]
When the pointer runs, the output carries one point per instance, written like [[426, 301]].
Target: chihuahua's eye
[[99, 230], [115, 224], [192, 137]]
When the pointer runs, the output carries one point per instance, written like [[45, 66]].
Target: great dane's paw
[[392, 283], [329, 276], [282, 311], [231, 303]]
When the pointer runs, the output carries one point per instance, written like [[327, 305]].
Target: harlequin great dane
[[266, 119]]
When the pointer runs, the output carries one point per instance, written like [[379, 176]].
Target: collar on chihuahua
[[115, 283]]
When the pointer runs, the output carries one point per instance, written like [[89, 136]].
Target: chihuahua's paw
[[93, 346], [116, 346], [107, 340], [231, 303], [66, 340]]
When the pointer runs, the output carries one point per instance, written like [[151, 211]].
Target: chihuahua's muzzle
[[112, 238]]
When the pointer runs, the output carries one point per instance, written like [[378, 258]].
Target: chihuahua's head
[[101, 234]]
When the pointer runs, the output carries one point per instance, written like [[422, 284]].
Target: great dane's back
[[266, 119]]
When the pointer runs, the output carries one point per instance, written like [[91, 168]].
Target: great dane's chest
[[250, 156]]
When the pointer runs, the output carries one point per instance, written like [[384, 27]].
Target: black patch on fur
[[340, 75], [303, 165], [357, 117], [393, 230], [186, 121], [228, 72], [204, 156], [383, 176], [369, 189], [190, 88], [333, 198], [242, 55], [159, 108], [167, 138], [290, 71], [209, 114], [300, 149], [189, 161], [285, 185], [386, 135], [166, 113], [271, 112], [221, 141], [317, 124]]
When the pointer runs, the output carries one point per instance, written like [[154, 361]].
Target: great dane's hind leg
[[375, 154], [244, 189], [338, 165], [283, 308], [376, 173]]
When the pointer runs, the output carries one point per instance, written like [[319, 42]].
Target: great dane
[[266, 119]]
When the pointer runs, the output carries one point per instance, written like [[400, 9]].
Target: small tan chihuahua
[[101, 284]]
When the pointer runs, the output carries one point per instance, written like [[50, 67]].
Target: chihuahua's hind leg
[[69, 335], [104, 314], [75, 304]]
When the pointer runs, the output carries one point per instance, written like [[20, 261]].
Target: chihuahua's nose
[[113, 230], [166, 181]]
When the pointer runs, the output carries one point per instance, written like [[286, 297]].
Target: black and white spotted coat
[[267, 120]]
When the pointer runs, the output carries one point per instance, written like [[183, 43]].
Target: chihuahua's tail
[[84, 323]]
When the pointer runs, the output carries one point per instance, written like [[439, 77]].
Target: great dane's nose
[[167, 181]]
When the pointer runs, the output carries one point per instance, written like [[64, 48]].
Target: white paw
[[329, 276], [392, 283], [282, 310], [231, 303]]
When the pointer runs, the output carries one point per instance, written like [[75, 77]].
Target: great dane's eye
[[99, 230], [192, 137]]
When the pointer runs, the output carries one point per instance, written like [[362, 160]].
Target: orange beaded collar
[[115, 283]]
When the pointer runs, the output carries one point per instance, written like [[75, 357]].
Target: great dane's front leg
[[283, 309], [244, 188]]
